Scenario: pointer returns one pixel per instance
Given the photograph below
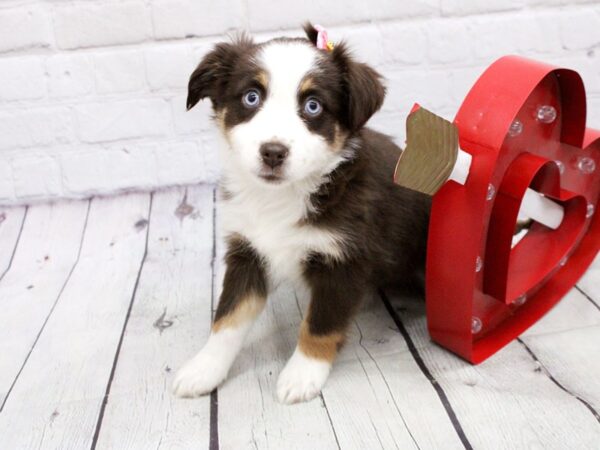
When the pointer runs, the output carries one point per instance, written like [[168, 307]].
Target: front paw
[[302, 378], [200, 375]]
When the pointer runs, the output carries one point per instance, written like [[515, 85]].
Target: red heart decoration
[[523, 123]]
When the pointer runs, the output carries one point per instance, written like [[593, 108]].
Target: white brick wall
[[92, 92]]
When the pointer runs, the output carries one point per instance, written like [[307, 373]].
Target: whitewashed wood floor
[[101, 300]]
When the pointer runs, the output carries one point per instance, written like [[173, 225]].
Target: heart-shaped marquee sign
[[522, 127]]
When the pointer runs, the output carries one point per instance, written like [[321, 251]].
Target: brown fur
[[386, 229], [244, 286]]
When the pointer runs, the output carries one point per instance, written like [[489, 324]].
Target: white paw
[[200, 375], [302, 378]]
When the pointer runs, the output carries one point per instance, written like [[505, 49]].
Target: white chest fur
[[271, 220]]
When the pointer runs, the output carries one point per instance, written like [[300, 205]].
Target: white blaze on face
[[286, 64]]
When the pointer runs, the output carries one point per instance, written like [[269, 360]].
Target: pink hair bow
[[322, 41]]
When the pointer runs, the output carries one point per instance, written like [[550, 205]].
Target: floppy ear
[[212, 74], [363, 88]]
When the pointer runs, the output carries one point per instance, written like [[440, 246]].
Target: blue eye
[[251, 98], [313, 107]]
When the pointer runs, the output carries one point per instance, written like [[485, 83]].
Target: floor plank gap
[[417, 357], [588, 297], [558, 383], [214, 424], [118, 351], [14, 251], [214, 396], [360, 343], [324, 403], [214, 251]]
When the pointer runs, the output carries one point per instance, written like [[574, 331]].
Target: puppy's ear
[[212, 74], [363, 88], [311, 32]]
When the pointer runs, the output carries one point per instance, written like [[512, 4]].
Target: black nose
[[273, 153]]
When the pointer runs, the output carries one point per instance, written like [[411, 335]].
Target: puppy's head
[[286, 108]]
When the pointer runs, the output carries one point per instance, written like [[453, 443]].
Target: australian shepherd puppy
[[306, 196]]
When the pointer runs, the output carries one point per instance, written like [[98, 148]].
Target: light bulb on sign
[[515, 128], [546, 114], [520, 300], [476, 325], [563, 262], [491, 191], [586, 165], [560, 165]]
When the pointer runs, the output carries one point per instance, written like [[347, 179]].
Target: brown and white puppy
[[306, 197]]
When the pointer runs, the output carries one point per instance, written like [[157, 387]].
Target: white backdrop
[[92, 92]]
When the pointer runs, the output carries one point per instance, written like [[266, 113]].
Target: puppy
[[306, 196]]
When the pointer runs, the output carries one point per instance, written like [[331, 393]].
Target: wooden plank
[[590, 282], [505, 402], [566, 344], [47, 251], [374, 387], [11, 223], [573, 311], [169, 318], [57, 398], [571, 359]]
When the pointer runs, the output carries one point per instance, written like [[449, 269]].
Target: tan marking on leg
[[323, 347], [245, 311]]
